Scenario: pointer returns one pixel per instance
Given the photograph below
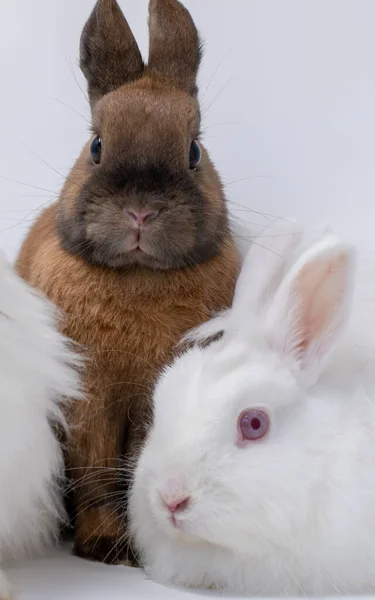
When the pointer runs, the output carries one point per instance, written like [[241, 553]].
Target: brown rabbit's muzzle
[[158, 221]]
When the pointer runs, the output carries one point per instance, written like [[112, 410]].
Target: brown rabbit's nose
[[142, 216]]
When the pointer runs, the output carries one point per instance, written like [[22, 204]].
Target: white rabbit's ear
[[263, 267], [311, 307]]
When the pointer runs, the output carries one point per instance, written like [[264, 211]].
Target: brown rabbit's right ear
[[109, 54], [175, 48]]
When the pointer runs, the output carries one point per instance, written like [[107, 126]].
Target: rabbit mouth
[[138, 245], [136, 251], [182, 526], [175, 522]]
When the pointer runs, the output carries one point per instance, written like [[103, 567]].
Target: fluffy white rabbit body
[[258, 475], [37, 370]]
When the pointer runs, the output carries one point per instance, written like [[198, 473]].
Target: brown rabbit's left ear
[[175, 48], [109, 54]]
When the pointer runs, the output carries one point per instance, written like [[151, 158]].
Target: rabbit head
[[221, 475], [144, 191]]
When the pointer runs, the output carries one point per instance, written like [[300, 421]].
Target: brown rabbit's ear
[[175, 49], [109, 54]]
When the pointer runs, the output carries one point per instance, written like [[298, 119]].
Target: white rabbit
[[258, 475], [37, 370]]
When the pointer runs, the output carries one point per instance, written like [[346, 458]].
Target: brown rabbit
[[136, 251]]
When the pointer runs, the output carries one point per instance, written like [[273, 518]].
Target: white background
[[288, 93]]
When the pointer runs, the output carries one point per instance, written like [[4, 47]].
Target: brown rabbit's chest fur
[[128, 323]]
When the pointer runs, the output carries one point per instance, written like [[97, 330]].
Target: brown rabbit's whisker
[[18, 224], [105, 490], [266, 248], [111, 498], [239, 221], [64, 177], [124, 541], [233, 216], [25, 219], [225, 86], [96, 466], [18, 221], [114, 519], [267, 218], [70, 108], [97, 471], [278, 235], [92, 471], [89, 479], [27, 209], [256, 212], [207, 127], [98, 489], [88, 499], [75, 79], [250, 178], [30, 185], [213, 75]]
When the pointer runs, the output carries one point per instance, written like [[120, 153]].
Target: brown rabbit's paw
[[106, 550]]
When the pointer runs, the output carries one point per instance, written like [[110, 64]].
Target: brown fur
[[129, 309]]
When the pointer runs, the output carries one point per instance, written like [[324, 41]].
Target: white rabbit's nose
[[178, 506], [175, 496]]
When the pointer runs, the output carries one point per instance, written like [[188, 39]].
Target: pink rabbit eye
[[253, 424]]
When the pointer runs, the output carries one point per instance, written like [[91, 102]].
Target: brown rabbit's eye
[[253, 424], [195, 155], [96, 150]]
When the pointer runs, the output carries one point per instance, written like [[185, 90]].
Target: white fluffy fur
[[37, 370], [294, 513]]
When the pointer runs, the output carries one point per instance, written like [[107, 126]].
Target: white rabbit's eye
[[195, 155], [96, 149], [253, 424]]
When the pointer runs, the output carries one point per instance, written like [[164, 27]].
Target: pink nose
[[142, 216], [178, 506]]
